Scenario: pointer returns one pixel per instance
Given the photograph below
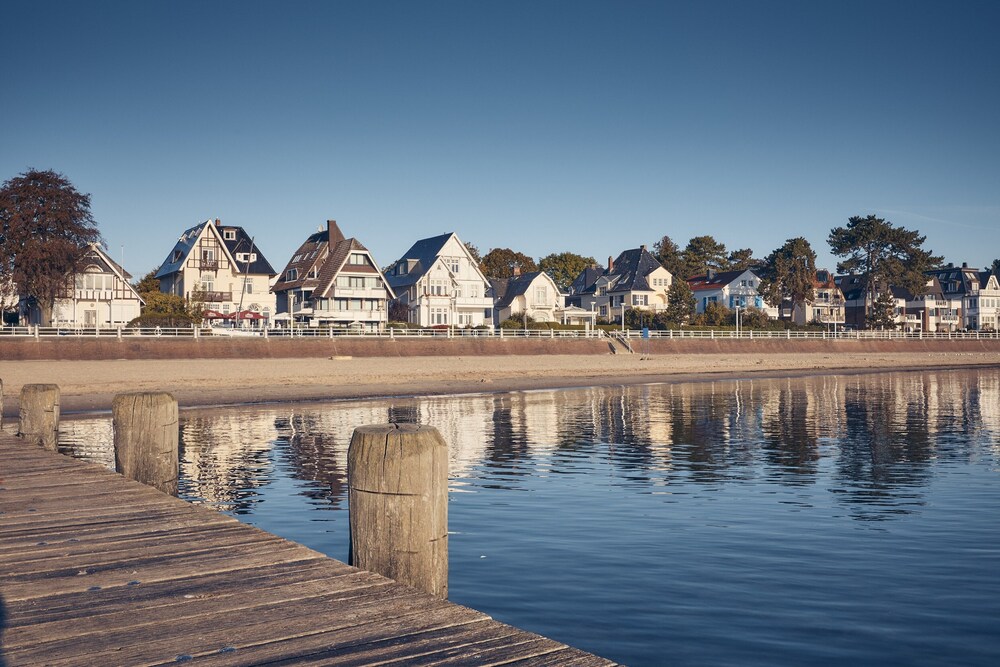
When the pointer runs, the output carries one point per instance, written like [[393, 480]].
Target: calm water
[[810, 521]]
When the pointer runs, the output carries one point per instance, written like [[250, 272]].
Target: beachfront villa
[[98, 296], [732, 289], [635, 279], [333, 281], [531, 295], [972, 293], [826, 306], [221, 267], [438, 283]]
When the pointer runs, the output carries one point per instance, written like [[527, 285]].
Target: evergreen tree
[[789, 273], [668, 254], [703, 253], [681, 304], [883, 312], [884, 255]]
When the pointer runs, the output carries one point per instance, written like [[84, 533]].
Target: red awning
[[214, 315], [246, 315]]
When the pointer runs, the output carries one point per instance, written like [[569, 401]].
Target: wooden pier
[[99, 570]]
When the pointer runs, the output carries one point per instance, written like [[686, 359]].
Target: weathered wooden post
[[398, 497], [146, 438], [39, 415]]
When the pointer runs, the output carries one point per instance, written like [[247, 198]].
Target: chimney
[[965, 265], [643, 247], [711, 275], [517, 271], [611, 264], [218, 222]]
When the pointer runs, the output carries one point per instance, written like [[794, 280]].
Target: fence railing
[[37, 332]]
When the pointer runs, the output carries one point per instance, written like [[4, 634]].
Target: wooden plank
[[95, 569]]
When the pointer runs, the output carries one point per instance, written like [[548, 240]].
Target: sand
[[91, 385]]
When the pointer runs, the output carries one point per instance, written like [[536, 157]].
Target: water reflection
[[871, 441]]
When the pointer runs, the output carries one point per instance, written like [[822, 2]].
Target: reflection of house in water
[[225, 457], [89, 439]]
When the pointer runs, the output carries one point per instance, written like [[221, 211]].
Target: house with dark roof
[[982, 307], [973, 293], [438, 283], [221, 267], [533, 295], [98, 296], [333, 281], [635, 279], [732, 289]]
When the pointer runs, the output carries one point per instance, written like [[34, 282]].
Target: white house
[[333, 281], [982, 305], [732, 289], [437, 282], [534, 295], [220, 266], [99, 295], [635, 279]]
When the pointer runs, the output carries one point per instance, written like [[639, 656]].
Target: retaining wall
[[284, 348]]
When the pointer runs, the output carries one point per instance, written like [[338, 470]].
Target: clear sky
[[589, 127]]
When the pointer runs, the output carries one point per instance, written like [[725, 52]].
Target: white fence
[[311, 332]]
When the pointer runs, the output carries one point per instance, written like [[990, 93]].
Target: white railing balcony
[[473, 302], [358, 293]]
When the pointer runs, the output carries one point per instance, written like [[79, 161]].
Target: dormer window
[[177, 256], [312, 273], [229, 234], [292, 274]]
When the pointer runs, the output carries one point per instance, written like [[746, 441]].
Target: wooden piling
[[1, 401], [39, 415], [398, 499], [146, 439]]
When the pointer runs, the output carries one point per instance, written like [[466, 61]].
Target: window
[[312, 273], [292, 274], [358, 258], [177, 256], [248, 285], [229, 234], [640, 299], [541, 294], [356, 282]]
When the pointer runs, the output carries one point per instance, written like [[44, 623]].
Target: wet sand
[[91, 385]]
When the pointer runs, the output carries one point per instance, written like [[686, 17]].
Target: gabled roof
[[94, 251], [326, 251], [956, 280], [242, 243], [715, 281], [419, 259], [517, 286], [852, 285], [585, 282], [178, 254], [630, 270]]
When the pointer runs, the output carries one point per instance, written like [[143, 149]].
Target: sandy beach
[[91, 385]]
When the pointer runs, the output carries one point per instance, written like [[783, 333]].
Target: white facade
[[731, 289], [440, 284], [202, 268], [982, 306], [534, 295], [101, 296]]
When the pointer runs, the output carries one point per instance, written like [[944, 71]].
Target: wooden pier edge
[[99, 569]]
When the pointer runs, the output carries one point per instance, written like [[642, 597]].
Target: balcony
[[211, 297]]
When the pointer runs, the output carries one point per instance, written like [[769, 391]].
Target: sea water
[[832, 520]]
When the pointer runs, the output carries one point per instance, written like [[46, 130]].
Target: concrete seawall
[[90, 349]]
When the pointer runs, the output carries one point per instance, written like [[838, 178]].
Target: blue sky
[[591, 127]]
